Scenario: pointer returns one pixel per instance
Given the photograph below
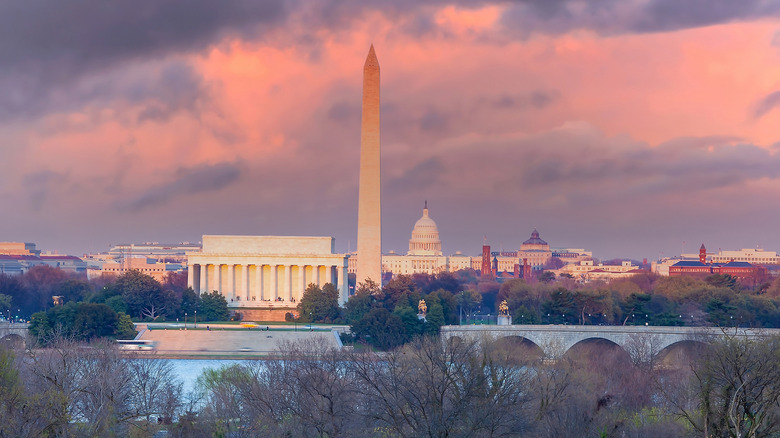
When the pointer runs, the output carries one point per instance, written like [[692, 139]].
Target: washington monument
[[369, 241]]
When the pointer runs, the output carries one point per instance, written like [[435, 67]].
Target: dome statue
[[425, 236]]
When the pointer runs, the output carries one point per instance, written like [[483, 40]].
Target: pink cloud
[[257, 132]]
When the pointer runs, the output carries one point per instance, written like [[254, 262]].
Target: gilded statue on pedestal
[[503, 309]]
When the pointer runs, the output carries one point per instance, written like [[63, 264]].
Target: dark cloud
[[85, 33], [178, 87], [434, 120], [537, 99], [669, 15], [40, 185], [547, 9], [418, 177], [154, 90], [524, 17], [344, 111], [692, 164], [630, 16], [188, 181], [46, 47], [767, 104]]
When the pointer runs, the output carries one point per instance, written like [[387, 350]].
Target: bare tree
[[643, 349], [307, 390], [429, 388], [91, 390], [155, 390], [735, 388], [319, 390]]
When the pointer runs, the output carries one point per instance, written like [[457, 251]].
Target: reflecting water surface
[[188, 370]]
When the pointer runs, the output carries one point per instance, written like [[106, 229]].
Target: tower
[[486, 272], [369, 240], [526, 270], [703, 254]]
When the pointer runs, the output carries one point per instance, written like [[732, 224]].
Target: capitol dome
[[425, 236]]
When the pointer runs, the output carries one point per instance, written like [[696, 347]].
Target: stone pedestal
[[504, 319]]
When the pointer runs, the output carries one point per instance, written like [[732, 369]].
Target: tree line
[[726, 386], [73, 306], [644, 299], [388, 317]]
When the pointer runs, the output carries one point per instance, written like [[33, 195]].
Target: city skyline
[[625, 128]]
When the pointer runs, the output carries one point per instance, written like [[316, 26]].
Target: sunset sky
[[631, 128]]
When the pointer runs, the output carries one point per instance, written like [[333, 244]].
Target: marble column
[[287, 294], [274, 292], [244, 289], [191, 276], [204, 279], [301, 282], [328, 275], [216, 283], [230, 288], [343, 284], [259, 282], [315, 269]]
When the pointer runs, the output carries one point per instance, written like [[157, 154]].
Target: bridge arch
[[596, 349], [517, 349], [680, 354], [454, 340], [12, 340]]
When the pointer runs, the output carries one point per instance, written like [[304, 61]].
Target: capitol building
[[425, 255]]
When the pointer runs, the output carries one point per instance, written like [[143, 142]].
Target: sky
[[630, 128]]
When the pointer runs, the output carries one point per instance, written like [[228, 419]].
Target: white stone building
[[587, 271], [424, 254], [266, 271], [754, 256]]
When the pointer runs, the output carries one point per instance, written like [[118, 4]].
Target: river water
[[188, 370]]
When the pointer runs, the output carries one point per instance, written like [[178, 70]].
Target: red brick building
[[738, 270]]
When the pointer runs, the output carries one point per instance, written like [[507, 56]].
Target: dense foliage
[[102, 307], [388, 317], [645, 299], [82, 321], [319, 304]]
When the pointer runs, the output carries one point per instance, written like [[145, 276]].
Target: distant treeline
[[388, 317], [70, 305]]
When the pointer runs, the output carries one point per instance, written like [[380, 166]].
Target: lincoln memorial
[[257, 274]]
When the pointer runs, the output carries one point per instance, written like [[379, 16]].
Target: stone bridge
[[13, 334], [13, 329], [555, 340]]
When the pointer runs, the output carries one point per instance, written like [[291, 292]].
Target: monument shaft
[[369, 242]]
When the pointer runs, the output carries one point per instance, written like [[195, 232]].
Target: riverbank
[[231, 341]]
